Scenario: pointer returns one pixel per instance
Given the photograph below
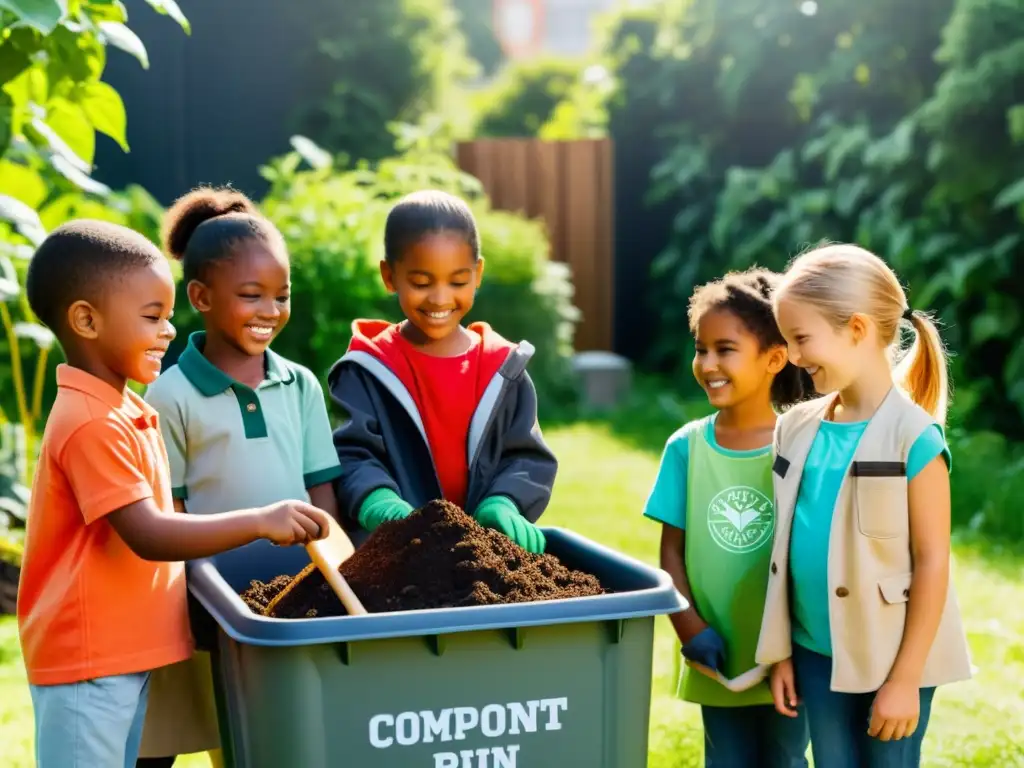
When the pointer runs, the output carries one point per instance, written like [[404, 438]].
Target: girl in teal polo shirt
[[240, 422], [713, 496]]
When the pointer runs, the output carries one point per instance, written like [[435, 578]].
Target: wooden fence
[[567, 184]]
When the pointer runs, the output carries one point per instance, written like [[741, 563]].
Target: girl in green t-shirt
[[713, 496]]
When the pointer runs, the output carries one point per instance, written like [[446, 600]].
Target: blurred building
[[528, 28]]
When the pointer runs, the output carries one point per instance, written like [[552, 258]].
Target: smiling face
[[729, 362], [130, 328], [436, 280], [246, 298], [832, 356]]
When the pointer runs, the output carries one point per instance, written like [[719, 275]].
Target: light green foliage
[[523, 98], [52, 103], [476, 20], [333, 222], [898, 131], [381, 63], [864, 122]]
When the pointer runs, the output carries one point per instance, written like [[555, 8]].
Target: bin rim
[[238, 622]]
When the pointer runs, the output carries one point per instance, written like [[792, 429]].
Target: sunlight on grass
[[602, 484]]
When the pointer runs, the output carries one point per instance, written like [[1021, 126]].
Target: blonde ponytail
[[842, 279], [922, 372]]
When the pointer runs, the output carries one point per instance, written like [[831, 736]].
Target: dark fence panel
[[216, 104]]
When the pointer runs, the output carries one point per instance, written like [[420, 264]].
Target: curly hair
[[749, 296]]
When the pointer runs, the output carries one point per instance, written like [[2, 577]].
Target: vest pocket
[[895, 589], [882, 508]]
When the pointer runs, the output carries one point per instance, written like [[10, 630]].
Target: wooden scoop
[[328, 554]]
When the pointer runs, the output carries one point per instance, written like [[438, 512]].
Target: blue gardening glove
[[501, 514], [707, 648], [383, 506]]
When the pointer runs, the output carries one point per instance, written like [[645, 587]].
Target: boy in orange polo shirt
[[102, 594]]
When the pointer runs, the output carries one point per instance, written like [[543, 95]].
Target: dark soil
[[259, 595], [438, 557]]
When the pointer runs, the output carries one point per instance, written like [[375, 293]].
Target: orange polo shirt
[[88, 606]]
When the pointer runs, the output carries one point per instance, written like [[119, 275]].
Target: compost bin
[[546, 684]]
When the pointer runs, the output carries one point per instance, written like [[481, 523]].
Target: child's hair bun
[[196, 207], [762, 281]]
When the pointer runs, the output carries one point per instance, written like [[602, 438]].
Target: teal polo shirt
[[233, 447]]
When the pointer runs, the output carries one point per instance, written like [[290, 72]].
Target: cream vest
[[869, 561]]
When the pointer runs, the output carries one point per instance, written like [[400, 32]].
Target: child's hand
[[707, 649], [292, 522], [783, 685], [524, 533], [895, 711]]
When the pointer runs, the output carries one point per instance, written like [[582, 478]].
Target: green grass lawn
[[606, 471]]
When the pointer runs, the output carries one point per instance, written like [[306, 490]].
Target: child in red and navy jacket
[[435, 409]]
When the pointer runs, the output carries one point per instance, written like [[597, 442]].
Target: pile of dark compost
[[438, 557]]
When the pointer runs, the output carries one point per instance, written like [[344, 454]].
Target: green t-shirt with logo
[[723, 499]]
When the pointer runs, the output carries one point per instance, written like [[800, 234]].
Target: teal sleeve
[[667, 500], [172, 430], [319, 457], [929, 444]]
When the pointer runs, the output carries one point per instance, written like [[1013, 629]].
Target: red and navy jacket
[[383, 442]]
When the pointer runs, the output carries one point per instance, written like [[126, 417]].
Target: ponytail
[[843, 280], [923, 370]]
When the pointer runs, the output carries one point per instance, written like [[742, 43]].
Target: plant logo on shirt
[[741, 519]]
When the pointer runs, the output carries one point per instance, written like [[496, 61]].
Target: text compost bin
[[548, 684]]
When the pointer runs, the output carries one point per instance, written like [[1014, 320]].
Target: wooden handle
[[353, 605], [328, 565]]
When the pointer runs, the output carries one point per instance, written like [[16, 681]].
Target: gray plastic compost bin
[[554, 684]]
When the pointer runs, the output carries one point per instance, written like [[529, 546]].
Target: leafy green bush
[[333, 223], [53, 102], [477, 24], [583, 113], [986, 484], [861, 123], [381, 62], [524, 295], [525, 95]]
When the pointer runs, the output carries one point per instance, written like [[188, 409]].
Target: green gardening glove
[[501, 514], [383, 506]]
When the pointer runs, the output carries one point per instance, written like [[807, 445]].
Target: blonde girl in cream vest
[[861, 621]]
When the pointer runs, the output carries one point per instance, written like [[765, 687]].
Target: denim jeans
[[839, 721], [753, 737]]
